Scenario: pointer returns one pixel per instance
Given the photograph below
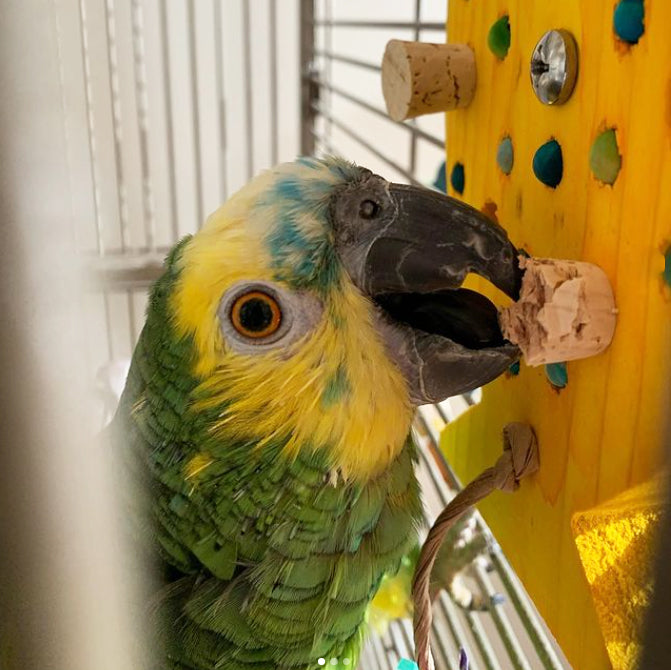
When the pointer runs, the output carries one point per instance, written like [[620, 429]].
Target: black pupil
[[369, 209], [256, 315]]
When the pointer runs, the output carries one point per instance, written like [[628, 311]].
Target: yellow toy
[[587, 180]]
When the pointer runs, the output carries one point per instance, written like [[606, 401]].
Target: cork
[[423, 78], [566, 311]]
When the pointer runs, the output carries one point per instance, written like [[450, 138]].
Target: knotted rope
[[519, 458]]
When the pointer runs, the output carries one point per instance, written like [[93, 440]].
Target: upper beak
[[434, 242], [445, 339]]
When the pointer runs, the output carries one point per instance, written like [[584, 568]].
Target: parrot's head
[[324, 303]]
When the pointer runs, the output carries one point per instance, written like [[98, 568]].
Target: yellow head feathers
[[334, 388]]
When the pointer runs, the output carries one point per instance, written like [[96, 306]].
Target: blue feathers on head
[[300, 237]]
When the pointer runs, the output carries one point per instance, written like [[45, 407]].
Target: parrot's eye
[[256, 314], [369, 209]]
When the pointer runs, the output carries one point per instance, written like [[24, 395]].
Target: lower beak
[[445, 339]]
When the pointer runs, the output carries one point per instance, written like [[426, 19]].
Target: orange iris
[[256, 315]]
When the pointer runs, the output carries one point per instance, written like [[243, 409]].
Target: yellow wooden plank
[[603, 432]]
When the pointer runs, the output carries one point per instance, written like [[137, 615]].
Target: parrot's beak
[[434, 242], [445, 339]]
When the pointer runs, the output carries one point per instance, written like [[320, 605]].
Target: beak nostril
[[369, 209]]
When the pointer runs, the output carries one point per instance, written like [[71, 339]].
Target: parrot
[[266, 419]]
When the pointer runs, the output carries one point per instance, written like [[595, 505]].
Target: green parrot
[[267, 412]]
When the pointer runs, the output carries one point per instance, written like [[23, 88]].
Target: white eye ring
[[300, 312]]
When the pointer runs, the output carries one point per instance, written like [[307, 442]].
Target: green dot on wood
[[605, 160], [498, 39]]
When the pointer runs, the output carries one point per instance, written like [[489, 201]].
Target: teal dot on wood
[[440, 181], [405, 664], [458, 178], [505, 155], [628, 20], [548, 164], [667, 267], [557, 374], [498, 39], [604, 157]]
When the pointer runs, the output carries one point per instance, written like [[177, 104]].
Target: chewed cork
[[566, 311]]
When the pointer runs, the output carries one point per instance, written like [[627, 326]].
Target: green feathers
[[274, 515], [272, 560]]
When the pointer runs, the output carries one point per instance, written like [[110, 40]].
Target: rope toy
[[519, 458]]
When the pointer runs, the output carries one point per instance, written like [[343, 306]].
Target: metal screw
[[554, 67]]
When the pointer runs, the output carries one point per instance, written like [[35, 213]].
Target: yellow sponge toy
[[616, 542]]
